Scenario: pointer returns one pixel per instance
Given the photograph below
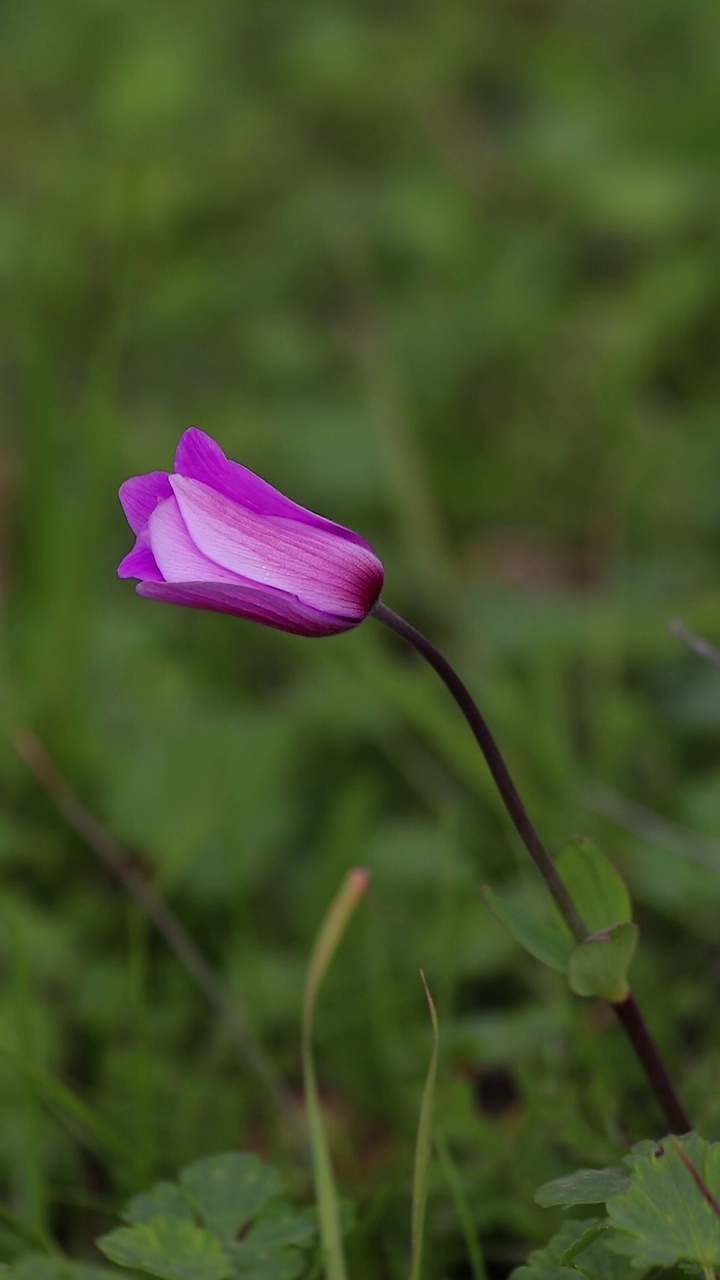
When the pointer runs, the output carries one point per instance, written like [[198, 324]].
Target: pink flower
[[215, 536]]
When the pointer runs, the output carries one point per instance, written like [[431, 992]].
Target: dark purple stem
[[627, 1010], [648, 1055]]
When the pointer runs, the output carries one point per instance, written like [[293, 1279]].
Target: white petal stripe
[[176, 556]]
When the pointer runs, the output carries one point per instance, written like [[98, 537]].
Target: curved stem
[[496, 764], [627, 1010]]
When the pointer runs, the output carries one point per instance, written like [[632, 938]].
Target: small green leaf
[[586, 1253], [170, 1248], [597, 890], [548, 941], [230, 1191], [599, 966], [233, 1195], [663, 1217], [165, 1200], [587, 1186]]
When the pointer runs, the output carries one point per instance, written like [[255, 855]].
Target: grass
[[447, 273]]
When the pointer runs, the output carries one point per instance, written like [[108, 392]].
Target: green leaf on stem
[[603, 902], [548, 941], [598, 891], [599, 966]]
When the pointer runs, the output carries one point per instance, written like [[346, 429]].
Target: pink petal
[[199, 457], [177, 557], [273, 608], [140, 562], [325, 571], [140, 495]]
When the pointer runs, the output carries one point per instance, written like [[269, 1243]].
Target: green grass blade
[[35, 1237], [331, 932], [89, 1126], [423, 1148], [462, 1208], [30, 1113]]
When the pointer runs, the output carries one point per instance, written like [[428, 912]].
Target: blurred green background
[[447, 272]]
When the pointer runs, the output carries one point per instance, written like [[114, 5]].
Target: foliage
[[663, 1217], [658, 1215], [575, 1251], [598, 965], [225, 1218]]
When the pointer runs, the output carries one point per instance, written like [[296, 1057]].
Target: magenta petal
[[324, 571], [140, 563], [199, 457], [140, 495], [272, 608]]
